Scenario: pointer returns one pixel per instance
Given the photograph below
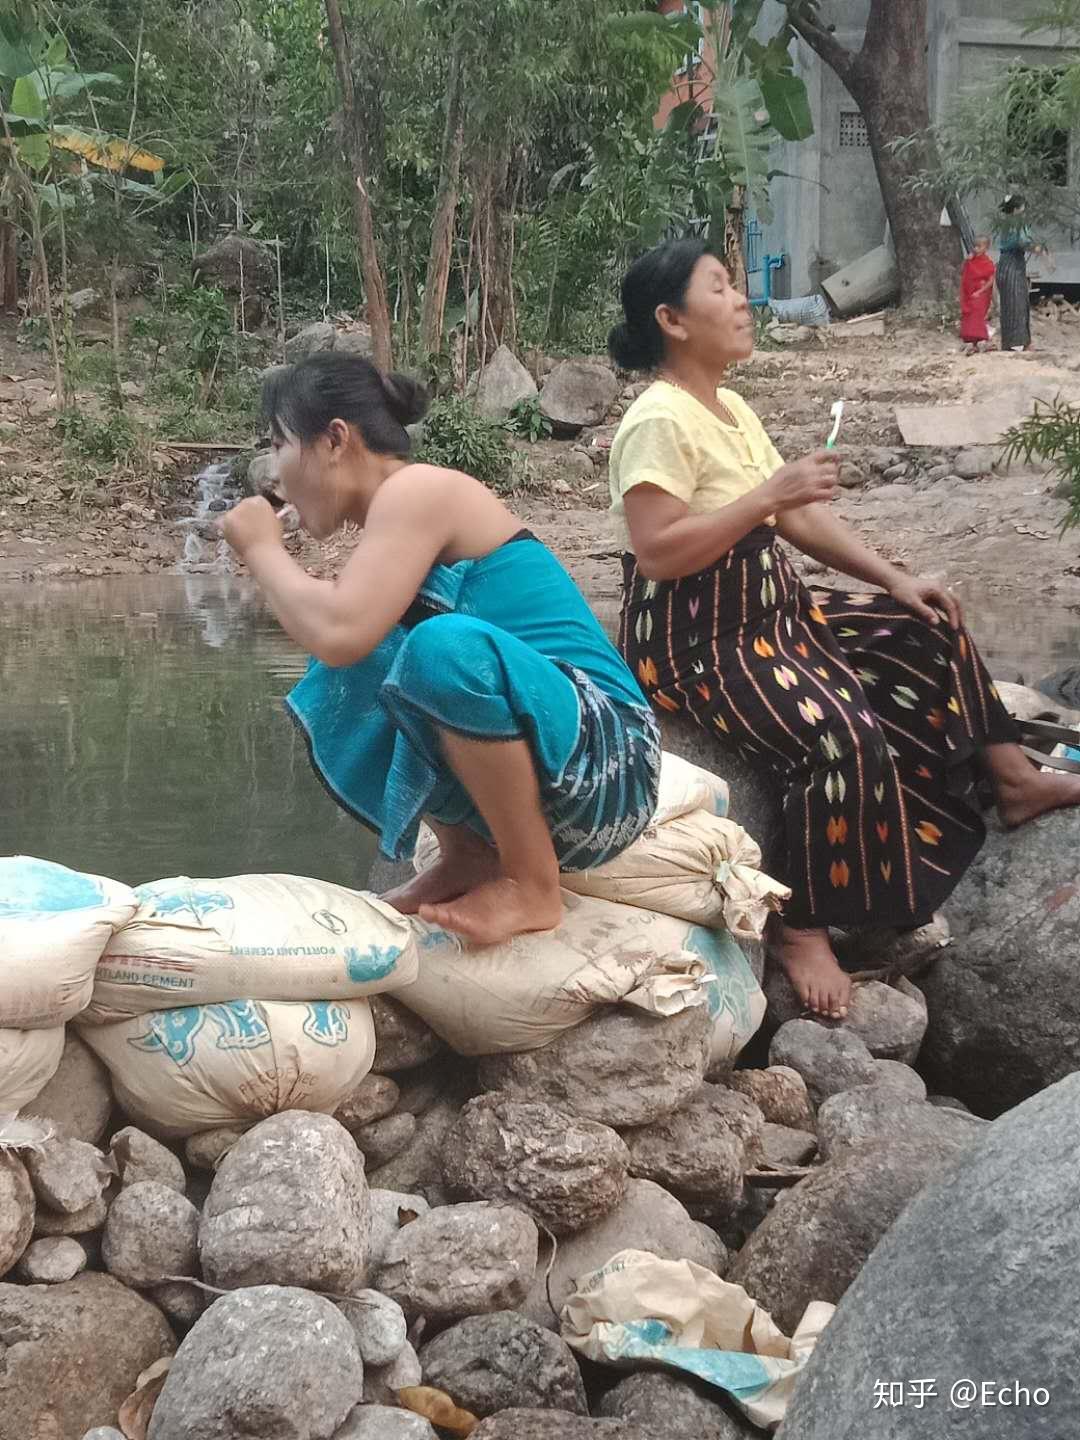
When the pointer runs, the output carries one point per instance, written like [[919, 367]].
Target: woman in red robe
[[976, 294]]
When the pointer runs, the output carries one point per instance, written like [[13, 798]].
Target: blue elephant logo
[[170, 899], [376, 963], [327, 1023], [239, 1026]]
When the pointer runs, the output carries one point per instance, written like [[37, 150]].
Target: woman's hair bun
[[406, 399], [629, 349]]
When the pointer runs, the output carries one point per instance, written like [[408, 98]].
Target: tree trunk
[[442, 227], [9, 265], [889, 81], [378, 309], [734, 248]]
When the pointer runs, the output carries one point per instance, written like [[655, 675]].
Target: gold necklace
[[676, 384]]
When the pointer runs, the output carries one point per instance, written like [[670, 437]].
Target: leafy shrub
[[528, 420], [114, 439], [456, 437], [1052, 434]]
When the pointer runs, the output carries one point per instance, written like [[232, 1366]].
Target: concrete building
[[832, 212]]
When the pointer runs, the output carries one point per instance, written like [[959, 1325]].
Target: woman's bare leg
[[501, 778], [465, 860], [1025, 792], [812, 968]]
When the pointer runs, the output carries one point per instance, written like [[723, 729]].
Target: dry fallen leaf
[[437, 1407], [135, 1412]]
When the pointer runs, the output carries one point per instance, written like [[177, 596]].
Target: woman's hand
[[809, 481], [929, 600], [252, 523]]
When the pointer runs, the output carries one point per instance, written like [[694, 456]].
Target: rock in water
[[289, 1206], [73, 1354], [267, 1361], [1004, 999], [972, 1281], [648, 1219], [817, 1237], [78, 1099], [878, 1112], [829, 1059], [17, 1210], [461, 1260], [151, 1233], [568, 1172], [501, 1362], [619, 1067], [503, 383], [577, 393], [674, 1407]]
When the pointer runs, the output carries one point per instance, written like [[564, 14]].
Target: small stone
[[390, 1210], [780, 1094], [700, 1153], [890, 1022], [876, 1113], [976, 461], [373, 1099], [402, 1040], [461, 1260], [674, 1407], [378, 1324], [619, 1067], [418, 1168], [51, 1261], [104, 1432], [17, 1209], [288, 1206], [498, 1362], [55, 1222], [555, 1425], [829, 1060], [384, 1422], [266, 1361], [151, 1233], [896, 472], [384, 1140], [182, 1304], [939, 472], [208, 1148], [569, 1173], [382, 1382], [139, 1157], [68, 1175], [783, 1148], [891, 1075]]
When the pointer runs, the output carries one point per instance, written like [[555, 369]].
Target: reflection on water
[[142, 735]]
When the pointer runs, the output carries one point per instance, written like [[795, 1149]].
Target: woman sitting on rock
[[459, 675], [867, 710]]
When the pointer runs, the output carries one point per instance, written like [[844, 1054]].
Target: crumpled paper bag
[[638, 1311]]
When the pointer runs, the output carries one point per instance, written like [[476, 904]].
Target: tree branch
[[838, 57]]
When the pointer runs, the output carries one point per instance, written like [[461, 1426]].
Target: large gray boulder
[[151, 1234], [268, 1361], [373, 1099], [139, 1157], [78, 1099], [72, 1354], [890, 1020], [567, 1172], [1004, 999], [17, 1208], [817, 1236], [236, 262], [973, 1280], [882, 1112], [504, 383], [648, 1219], [51, 1261], [674, 1407], [502, 1361], [390, 1210], [460, 1260], [578, 393], [620, 1066], [288, 1206]]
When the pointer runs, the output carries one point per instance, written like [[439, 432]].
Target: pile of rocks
[[311, 1272]]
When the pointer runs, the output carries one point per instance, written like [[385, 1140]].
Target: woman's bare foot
[[812, 968], [465, 861], [496, 909], [1022, 800]]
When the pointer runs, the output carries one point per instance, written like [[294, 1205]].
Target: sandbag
[[523, 993], [265, 937], [28, 1061], [177, 1072], [54, 925], [684, 787]]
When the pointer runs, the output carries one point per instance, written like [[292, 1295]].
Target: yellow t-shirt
[[669, 439]]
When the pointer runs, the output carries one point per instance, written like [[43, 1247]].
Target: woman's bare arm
[[817, 532]]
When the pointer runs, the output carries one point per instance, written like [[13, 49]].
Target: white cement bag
[[523, 993], [265, 937], [28, 1061], [180, 1071], [54, 925], [685, 787]]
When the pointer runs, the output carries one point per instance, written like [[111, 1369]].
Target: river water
[[142, 733]]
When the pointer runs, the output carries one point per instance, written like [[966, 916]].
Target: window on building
[[692, 61], [1032, 103], [853, 132]]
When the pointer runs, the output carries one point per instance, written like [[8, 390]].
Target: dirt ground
[[994, 536]]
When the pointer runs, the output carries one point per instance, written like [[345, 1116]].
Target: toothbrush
[[837, 416]]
